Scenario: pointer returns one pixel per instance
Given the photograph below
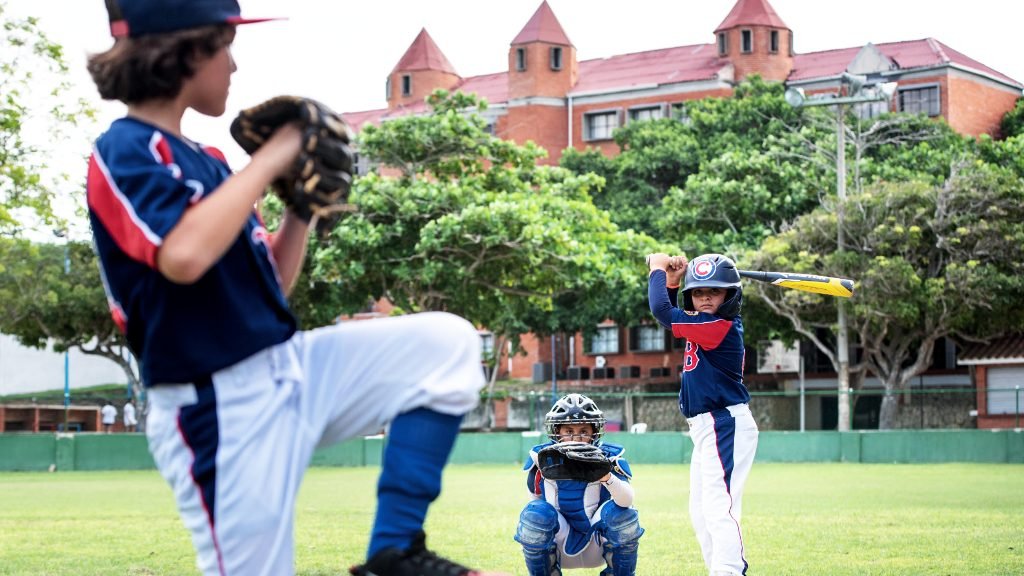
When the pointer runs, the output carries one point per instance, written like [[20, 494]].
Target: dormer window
[[406, 85], [773, 42], [746, 41], [556, 58], [520, 59], [723, 44]]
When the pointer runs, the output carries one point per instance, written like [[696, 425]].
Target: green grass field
[[799, 519]]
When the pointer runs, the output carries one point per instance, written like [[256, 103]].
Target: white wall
[[25, 369]]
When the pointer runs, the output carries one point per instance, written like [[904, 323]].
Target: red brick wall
[[423, 83], [544, 125], [975, 108], [770, 66], [538, 79]]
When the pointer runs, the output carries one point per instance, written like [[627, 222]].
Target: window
[[746, 41], [646, 113], [773, 41], [679, 112], [358, 164], [647, 338], [600, 125], [486, 345], [868, 110], [520, 59], [920, 101], [387, 89], [406, 85], [605, 341], [723, 44], [556, 58]]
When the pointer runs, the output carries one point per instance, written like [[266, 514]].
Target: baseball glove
[[321, 177], [573, 461]]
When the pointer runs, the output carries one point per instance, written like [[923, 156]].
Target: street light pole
[[842, 337], [67, 387], [856, 93]]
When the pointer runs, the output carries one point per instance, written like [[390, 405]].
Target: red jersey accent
[[132, 236], [707, 335]]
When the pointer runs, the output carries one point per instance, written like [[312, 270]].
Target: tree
[[59, 302], [1012, 123], [35, 100], [931, 261], [473, 226], [666, 177]]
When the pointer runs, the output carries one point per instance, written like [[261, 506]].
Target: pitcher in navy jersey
[[712, 396], [239, 397]]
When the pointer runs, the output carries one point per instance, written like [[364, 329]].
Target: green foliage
[[930, 261], [34, 100], [904, 147], [669, 176], [474, 226], [1012, 123], [52, 293]]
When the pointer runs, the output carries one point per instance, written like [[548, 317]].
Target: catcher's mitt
[[320, 179], [573, 461]]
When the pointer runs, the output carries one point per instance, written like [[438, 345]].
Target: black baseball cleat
[[415, 561]]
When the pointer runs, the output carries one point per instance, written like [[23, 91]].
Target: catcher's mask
[[714, 271], [575, 409]]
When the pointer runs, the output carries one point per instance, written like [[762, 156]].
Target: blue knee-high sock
[[417, 449]]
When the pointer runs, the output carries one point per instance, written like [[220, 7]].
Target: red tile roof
[[925, 53], [666, 66], [423, 54], [1009, 348], [543, 27], [752, 13], [680, 64]]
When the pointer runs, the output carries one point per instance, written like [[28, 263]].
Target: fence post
[[1017, 410]]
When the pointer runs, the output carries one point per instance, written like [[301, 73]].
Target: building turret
[[423, 69], [756, 41]]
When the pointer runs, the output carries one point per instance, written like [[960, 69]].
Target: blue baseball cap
[[136, 18]]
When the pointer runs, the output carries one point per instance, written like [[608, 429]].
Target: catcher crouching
[[580, 513]]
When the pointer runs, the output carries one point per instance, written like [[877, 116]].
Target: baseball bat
[[827, 285]]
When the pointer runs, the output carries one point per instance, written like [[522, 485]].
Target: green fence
[[948, 408], [37, 452]]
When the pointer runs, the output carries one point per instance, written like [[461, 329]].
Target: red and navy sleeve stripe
[[131, 234]]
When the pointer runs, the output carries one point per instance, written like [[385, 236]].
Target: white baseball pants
[[235, 448], [724, 443]]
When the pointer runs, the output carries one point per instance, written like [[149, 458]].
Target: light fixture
[[795, 97]]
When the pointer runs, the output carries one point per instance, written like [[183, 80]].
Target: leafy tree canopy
[[36, 111]]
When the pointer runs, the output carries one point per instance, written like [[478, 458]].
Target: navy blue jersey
[[713, 362], [141, 181]]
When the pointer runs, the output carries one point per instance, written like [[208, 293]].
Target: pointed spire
[[424, 54], [543, 27], [752, 13]]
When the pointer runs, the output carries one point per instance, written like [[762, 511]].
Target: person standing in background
[[109, 415], [129, 416]]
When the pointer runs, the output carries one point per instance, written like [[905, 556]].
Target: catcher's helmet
[[575, 409], [714, 271]]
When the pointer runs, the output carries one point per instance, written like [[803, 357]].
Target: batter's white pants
[[724, 443], [235, 451]]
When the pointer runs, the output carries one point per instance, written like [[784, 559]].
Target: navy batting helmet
[[575, 409], [714, 271]]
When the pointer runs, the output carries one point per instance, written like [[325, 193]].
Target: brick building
[[547, 95]]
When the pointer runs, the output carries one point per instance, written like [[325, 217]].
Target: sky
[[340, 52]]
